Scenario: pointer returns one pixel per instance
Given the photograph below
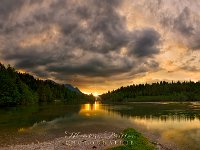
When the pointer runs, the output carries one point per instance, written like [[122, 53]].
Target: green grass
[[134, 140]]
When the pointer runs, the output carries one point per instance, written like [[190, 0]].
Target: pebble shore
[[99, 141], [87, 142]]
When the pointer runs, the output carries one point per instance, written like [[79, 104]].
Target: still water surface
[[169, 122]]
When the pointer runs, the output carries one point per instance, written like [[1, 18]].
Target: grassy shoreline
[[133, 140]]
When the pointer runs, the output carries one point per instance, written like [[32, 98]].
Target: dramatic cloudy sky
[[100, 45]]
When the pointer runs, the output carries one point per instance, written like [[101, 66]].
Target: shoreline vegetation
[[155, 92], [23, 89], [134, 140], [131, 140]]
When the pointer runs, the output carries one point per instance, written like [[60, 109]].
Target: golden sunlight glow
[[83, 24], [96, 106], [87, 107], [123, 51], [96, 94], [163, 125], [21, 71], [90, 107], [170, 127]]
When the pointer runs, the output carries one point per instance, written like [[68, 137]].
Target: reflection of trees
[[163, 112], [16, 122], [17, 117]]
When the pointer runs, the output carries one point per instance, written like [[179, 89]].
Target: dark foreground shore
[[99, 141]]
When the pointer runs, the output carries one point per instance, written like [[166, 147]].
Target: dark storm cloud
[[144, 43], [188, 28], [96, 28], [9, 6], [92, 34], [182, 23], [190, 68], [191, 64], [33, 62], [99, 67]]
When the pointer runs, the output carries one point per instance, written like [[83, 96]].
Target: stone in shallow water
[[94, 147]]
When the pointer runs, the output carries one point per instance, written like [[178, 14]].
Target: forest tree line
[[23, 89], [160, 91]]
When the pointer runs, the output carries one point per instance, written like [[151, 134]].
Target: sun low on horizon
[[101, 45]]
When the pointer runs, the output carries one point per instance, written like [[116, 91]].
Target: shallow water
[[170, 122]]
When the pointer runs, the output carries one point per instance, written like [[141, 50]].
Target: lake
[[169, 122]]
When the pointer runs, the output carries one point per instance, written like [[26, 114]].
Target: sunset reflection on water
[[169, 122], [90, 107], [180, 129]]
